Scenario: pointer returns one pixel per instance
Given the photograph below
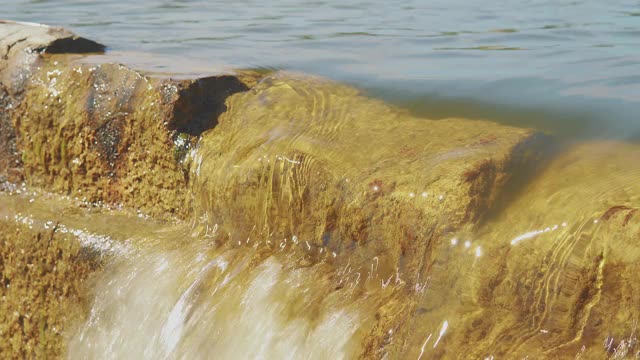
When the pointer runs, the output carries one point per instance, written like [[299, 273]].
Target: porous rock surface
[[315, 162], [43, 285], [556, 278], [100, 131], [20, 46], [295, 159]]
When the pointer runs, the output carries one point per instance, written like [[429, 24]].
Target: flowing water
[[198, 291], [169, 291]]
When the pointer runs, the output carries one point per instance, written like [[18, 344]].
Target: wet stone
[[304, 157], [557, 274], [20, 47], [452, 238], [42, 287], [97, 129]]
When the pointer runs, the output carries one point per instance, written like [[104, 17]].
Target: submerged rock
[[300, 155], [453, 238], [308, 163], [557, 275]]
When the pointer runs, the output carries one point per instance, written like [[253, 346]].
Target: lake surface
[[568, 67]]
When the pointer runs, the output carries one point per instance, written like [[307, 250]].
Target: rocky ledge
[[290, 156], [98, 129]]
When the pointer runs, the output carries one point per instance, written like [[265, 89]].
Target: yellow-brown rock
[[316, 163], [299, 155], [42, 287], [556, 278], [491, 252], [20, 47], [98, 130]]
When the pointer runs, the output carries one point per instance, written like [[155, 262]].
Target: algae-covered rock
[[99, 130], [106, 133], [354, 182], [461, 243], [21, 45], [10, 167], [303, 156], [556, 278], [21, 48], [42, 290]]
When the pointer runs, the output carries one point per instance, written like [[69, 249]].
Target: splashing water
[[193, 303]]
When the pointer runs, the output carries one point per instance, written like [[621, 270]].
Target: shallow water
[[178, 292], [567, 67], [189, 291], [507, 288]]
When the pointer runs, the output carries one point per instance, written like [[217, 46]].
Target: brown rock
[[304, 157], [485, 259], [21, 46], [42, 288], [556, 278], [99, 130]]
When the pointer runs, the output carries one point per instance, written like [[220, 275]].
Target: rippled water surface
[[570, 67], [550, 270]]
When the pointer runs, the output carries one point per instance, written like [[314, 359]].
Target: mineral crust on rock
[[316, 163], [556, 278], [100, 131], [491, 246]]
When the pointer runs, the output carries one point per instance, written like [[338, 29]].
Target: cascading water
[[195, 301], [326, 225]]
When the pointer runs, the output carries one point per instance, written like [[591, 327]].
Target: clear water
[[566, 67], [569, 67]]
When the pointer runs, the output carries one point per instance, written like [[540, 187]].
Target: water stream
[[265, 269], [170, 291]]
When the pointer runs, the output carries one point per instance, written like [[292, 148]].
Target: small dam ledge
[[232, 213]]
